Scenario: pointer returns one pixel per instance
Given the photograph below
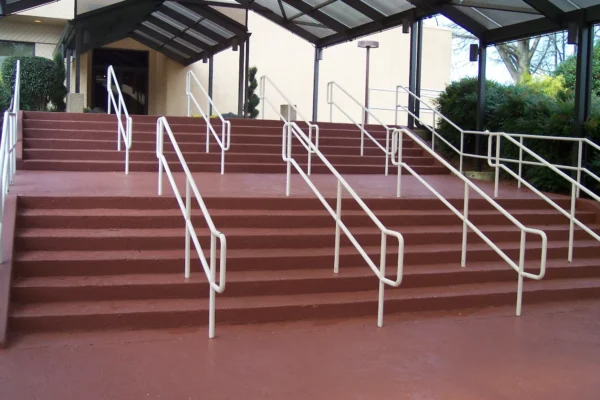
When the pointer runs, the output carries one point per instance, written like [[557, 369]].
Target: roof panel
[[184, 11], [169, 20], [216, 28], [174, 50], [156, 29], [151, 38], [390, 7], [317, 31], [192, 32], [345, 14]]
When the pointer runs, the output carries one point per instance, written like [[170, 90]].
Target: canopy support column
[[481, 86]]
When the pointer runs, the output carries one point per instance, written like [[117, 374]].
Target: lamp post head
[[368, 44]]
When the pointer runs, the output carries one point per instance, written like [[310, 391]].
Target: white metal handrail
[[186, 208], [8, 144], [398, 136], [425, 94], [292, 130], [363, 130], [580, 168], [574, 185], [123, 132], [225, 140], [265, 100]]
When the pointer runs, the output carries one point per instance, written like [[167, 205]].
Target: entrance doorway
[[131, 70]]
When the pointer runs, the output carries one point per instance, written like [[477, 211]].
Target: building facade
[[155, 83]]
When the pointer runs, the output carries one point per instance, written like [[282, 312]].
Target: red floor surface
[[551, 352]]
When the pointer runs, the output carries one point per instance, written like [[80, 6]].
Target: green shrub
[[568, 69], [253, 99], [42, 81], [5, 96]]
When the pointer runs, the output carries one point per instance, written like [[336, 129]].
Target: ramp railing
[[224, 141], [8, 147], [398, 136], [264, 80], [209, 266], [291, 131], [363, 131], [123, 131]]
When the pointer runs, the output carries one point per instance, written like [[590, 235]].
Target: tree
[[253, 98], [568, 69]]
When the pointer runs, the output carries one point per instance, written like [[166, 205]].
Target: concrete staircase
[[94, 263], [87, 142]]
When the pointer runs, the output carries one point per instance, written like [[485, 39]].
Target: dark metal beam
[[315, 105], [78, 40], [547, 9], [68, 71], [494, 6], [365, 9], [218, 18], [247, 79], [419, 69], [154, 46], [412, 71], [211, 67], [583, 78], [317, 15], [22, 5], [176, 32], [376, 26], [481, 87], [241, 81], [166, 41], [453, 14], [275, 18], [199, 28]]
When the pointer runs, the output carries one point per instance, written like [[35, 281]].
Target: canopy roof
[[185, 31], [329, 22], [8, 7]]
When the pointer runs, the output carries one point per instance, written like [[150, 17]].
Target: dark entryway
[[131, 70]]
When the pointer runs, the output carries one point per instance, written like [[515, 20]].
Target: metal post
[[68, 71], [400, 145], [213, 275], [572, 221], [583, 84], [481, 82], [463, 258], [211, 62], [338, 218], [188, 216], [78, 40], [247, 77], [521, 270], [418, 71], [412, 72], [241, 81], [318, 56], [366, 117], [381, 283], [520, 162]]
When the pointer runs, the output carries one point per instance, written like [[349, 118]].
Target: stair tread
[[91, 255], [80, 308], [280, 275]]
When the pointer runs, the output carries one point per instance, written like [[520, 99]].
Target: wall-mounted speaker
[[473, 52]]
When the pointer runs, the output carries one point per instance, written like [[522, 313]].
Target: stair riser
[[114, 267], [195, 290], [175, 319], [37, 165], [236, 148], [211, 157], [276, 221]]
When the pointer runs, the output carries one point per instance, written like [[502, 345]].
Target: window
[[8, 49]]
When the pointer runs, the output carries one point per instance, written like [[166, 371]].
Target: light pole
[[367, 44]]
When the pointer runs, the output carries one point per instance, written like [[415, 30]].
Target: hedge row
[[521, 109]]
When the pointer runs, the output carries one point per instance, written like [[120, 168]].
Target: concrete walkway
[[551, 353]]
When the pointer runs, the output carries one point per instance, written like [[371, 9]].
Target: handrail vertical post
[[381, 278], [288, 185], [187, 93], [338, 219], [330, 100], [520, 162], [465, 233], [462, 150], [521, 271], [309, 169], [497, 172], [119, 124], [579, 165], [262, 96], [159, 153], [572, 221], [387, 151], [213, 274], [188, 217], [400, 147], [396, 109]]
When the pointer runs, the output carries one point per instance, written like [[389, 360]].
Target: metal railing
[[225, 140], [575, 185], [123, 132], [398, 136], [363, 130], [311, 127], [8, 150], [190, 233], [291, 130], [424, 105]]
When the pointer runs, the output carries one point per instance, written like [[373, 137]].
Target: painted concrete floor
[[552, 352]]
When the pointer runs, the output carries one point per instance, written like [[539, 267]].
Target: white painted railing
[[363, 131], [123, 131], [8, 147], [398, 136], [425, 107], [575, 185], [291, 131], [288, 118], [209, 267], [225, 140]]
